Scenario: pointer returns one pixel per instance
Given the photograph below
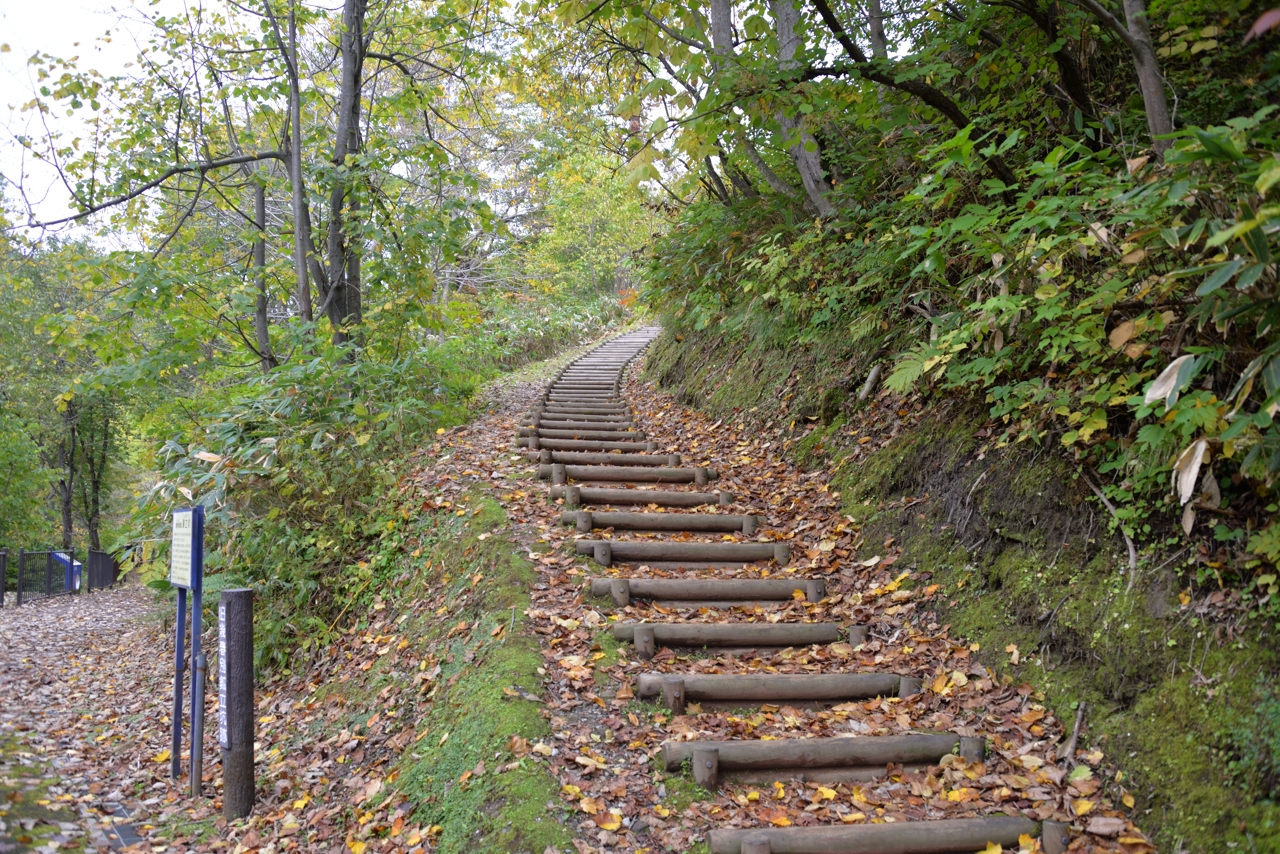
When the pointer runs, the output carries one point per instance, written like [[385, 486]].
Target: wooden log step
[[580, 398], [717, 589], [753, 755], [587, 520], [584, 386], [586, 445], [619, 409], [577, 495], [606, 552], [774, 687], [576, 424], [593, 417], [549, 456], [943, 836], [606, 435], [631, 474], [732, 634], [826, 776]]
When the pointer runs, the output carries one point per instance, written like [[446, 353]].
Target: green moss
[[473, 720]]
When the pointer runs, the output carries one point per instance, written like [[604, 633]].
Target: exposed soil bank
[[1177, 685]]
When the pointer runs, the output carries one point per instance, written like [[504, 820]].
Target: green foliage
[[24, 498]]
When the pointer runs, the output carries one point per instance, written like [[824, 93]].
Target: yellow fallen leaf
[[611, 820], [779, 821], [591, 806], [571, 791], [302, 802], [1185, 597], [992, 848], [851, 817], [753, 796], [162, 756], [439, 431], [1082, 805], [1127, 800], [826, 794], [356, 846], [662, 812]]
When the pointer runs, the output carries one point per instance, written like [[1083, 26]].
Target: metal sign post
[[186, 572]]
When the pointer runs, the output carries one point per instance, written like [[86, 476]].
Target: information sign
[[184, 559]]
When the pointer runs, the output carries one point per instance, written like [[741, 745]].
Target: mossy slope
[[1024, 557]]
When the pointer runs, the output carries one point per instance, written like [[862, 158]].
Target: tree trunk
[[261, 327], [343, 299], [875, 29], [67, 473], [770, 177], [1150, 80], [805, 149], [301, 213]]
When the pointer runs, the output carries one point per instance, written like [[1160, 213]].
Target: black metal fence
[[45, 574]]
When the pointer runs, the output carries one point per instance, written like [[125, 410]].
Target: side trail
[[807, 693]]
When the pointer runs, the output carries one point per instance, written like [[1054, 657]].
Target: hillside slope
[[1174, 680]]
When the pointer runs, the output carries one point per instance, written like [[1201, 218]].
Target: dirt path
[[607, 744], [74, 673]]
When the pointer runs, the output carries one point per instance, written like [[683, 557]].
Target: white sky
[[63, 28]]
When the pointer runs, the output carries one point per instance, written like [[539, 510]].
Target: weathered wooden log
[[606, 435], [1055, 836], [910, 686], [673, 694], [620, 591], [826, 776], [699, 522], [585, 408], [579, 397], [733, 634], [772, 687], [944, 836], [603, 459], [659, 497], [587, 417], [706, 767], [627, 474], [973, 749], [750, 755], [610, 426], [749, 589], [646, 644], [756, 843], [858, 634], [586, 445], [628, 550]]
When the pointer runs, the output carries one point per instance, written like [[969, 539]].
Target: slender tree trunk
[[301, 213], [67, 473], [1135, 32], [1150, 80], [261, 326], [804, 151], [875, 29], [770, 177], [343, 301]]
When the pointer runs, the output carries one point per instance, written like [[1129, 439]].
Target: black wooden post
[[235, 700], [22, 559]]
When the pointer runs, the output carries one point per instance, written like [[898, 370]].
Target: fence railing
[[49, 573]]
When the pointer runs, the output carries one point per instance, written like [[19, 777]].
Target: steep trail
[[806, 691]]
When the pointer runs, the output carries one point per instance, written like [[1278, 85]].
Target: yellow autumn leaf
[[439, 431], [851, 817], [611, 820], [826, 794], [302, 802], [356, 846], [992, 848], [753, 796], [162, 756], [1127, 800], [1082, 805], [662, 812], [571, 791]]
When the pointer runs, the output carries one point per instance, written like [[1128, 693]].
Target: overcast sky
[[63, 28]]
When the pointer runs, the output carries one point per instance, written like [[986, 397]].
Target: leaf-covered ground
[[85, 728]]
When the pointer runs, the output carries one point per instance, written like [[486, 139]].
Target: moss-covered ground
[[1180, 702]]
